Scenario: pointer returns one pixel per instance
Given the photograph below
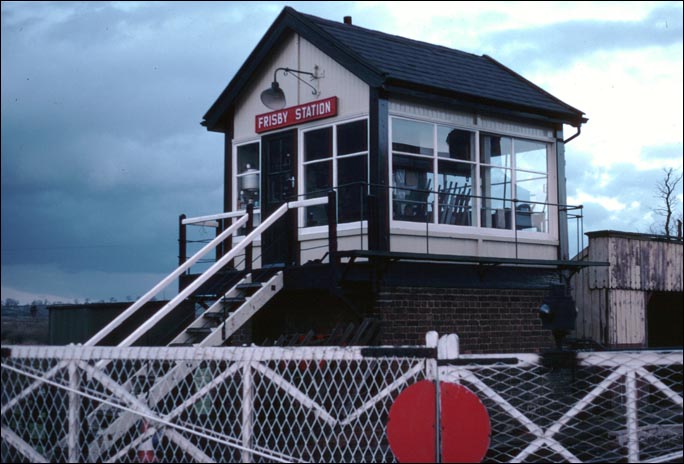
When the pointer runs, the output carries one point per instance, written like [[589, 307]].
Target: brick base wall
[[486, 320]]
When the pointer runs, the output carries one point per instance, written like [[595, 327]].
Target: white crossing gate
[[328, 404]]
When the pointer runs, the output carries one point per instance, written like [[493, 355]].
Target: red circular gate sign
[[464, 428]]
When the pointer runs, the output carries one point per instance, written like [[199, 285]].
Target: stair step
[[274, 266], [203, 331], [215, 316], [180, 344], [250, 286], [233, 300]]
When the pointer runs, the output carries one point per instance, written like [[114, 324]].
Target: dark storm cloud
[[101, 142], [563, 42]]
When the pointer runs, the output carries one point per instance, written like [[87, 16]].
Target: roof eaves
[[475, 103], [580, 114]]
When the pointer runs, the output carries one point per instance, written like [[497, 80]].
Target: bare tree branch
[[666, 190]]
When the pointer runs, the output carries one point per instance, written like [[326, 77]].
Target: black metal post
[[219, 247], [332, 226], [249, 228], [294, 257], [182, 245], [182, 240]]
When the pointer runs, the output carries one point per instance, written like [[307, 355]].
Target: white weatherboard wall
[[298, 53], [336, 81]]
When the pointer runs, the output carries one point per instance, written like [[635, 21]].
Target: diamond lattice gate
[[84, 404]]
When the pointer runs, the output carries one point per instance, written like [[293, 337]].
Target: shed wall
[[612, 301]]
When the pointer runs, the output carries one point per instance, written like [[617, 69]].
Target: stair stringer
[[165, 384]]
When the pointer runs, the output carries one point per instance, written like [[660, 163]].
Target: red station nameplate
[[295, 115]]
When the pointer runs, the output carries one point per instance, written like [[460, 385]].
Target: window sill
[[347, 229], [418, 229]]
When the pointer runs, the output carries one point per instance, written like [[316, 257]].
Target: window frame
[[301, 187], [236, 175], [476, 229]]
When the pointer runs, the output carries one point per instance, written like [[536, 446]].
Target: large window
[[513, 169], [336, 156], [439, 177]]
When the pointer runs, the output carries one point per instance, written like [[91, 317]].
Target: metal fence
[[327, 404]]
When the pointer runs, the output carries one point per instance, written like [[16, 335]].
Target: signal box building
[[445, 174]]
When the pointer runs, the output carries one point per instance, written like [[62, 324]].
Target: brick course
[[486, 320]]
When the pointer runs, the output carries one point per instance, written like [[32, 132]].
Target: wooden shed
[[637, 300]]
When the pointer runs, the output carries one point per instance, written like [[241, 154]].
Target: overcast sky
[[101, 103]]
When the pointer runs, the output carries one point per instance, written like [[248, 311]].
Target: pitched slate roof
[[398, 64]]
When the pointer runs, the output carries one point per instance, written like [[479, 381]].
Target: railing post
[[219, 248], [182, 246], [294, 254], [249, 228], [182, 240], [332, 226]]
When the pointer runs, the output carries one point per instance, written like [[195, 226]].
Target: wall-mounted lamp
[[274, 97]]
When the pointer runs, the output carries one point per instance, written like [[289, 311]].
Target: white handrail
[[164, 283], [206, 275], [167, 308], [214, 217]]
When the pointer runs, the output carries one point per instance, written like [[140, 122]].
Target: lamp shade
[[273, 97]]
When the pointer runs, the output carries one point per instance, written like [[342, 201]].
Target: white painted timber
[[298, 53]]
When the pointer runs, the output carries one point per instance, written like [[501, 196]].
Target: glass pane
[[352, 137], [455, 193], [317, 183], [412, 137], [495, 189], [413, 182], [248, 178], [530, 155], [455, 144], [351, 179], [318, 144], [531, 210], [495, 150], [247, 157]]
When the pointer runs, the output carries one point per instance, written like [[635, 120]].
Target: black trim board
[[378, 219], [405, 256]]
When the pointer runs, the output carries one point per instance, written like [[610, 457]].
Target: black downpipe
[[579, 131]]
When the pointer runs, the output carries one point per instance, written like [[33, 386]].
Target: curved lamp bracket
[[274, 97]]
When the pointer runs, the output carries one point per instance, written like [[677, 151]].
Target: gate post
[[432, 373], [632, 419], [247, 423], [74, 407]]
